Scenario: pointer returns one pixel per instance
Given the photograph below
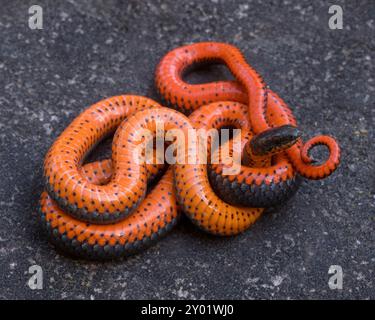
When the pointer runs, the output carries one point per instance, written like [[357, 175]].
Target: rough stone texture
[[89, 50]]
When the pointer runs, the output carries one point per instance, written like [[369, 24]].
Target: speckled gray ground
[[89, 50]]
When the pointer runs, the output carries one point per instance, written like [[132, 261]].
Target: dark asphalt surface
[[89, 50]]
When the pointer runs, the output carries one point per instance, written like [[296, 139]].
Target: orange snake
[[104, 209]]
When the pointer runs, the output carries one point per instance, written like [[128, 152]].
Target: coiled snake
[[105, 210]]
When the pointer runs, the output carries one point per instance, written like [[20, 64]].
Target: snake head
[[274, 140]]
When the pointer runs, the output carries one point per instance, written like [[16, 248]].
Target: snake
[[105, 209]]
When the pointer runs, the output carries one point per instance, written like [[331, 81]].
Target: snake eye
[[274, 140]]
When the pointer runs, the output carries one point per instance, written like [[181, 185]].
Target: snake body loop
[[74, 193]]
